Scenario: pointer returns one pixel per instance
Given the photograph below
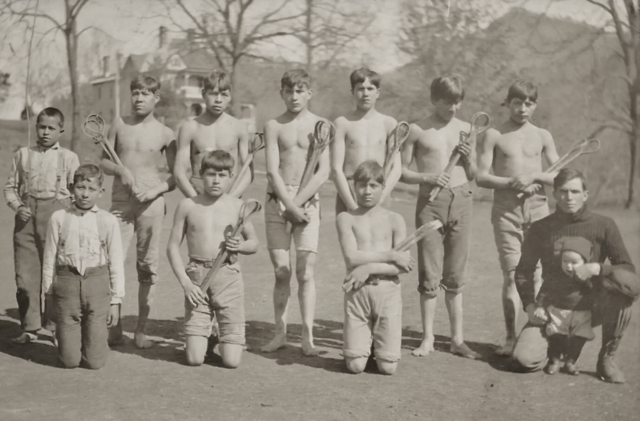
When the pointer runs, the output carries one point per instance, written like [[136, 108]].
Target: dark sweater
[[564, 292], [600, 230]]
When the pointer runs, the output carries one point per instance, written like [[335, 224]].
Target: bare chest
[[140, 139], [295, 136], [519, 146], [218, 136], [373, 233], [366, 134]]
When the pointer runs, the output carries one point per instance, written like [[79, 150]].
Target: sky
[[132, 27]]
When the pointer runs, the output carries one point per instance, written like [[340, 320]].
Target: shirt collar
[[579, 216], [79, 211], [55, 146]]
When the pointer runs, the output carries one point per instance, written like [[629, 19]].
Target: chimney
[[191, 35], [162, 36], [105, 65]]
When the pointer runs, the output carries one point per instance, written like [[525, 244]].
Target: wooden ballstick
[[256, 144]]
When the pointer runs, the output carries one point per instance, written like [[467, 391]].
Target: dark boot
[[574, 348], [607, 368], [556, 345]]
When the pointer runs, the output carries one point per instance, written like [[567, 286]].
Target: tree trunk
[[232, 78], [309, 42], [633, 142], [71, 39]]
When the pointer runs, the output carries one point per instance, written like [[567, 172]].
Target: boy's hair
[[217, 160], [216, 78], [567, 174], [367, 171], [51, 112], [447, 87], [145, 82], [85, 172], [523, 90], [362, 74], [295, 77]]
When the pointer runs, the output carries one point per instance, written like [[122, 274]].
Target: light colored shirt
[[40, 166], [83, 248]]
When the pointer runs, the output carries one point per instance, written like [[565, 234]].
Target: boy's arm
[[486, 149], [316, 181], [183, 159], [337, 149], [49, 254], [396, 169], [12, 187], [176, 236], [250, 243], [243, 156], [353, 257], [170, 150], [468, 158], [72, 164], [109, 167], [551, 155], [116, 261]]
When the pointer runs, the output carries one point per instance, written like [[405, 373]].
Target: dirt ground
[[156, 385]]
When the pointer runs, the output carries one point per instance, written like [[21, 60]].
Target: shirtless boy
[[141, 142], [442, 255], [514, 151], [360, 136], [205, 220], [287, 145], [373, 299], [213, 130]]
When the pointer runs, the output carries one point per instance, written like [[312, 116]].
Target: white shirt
[[83, 248]]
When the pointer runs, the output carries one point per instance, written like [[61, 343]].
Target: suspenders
[[102, 233], [25, 190]]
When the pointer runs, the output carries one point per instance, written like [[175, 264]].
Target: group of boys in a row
[[74, 253]]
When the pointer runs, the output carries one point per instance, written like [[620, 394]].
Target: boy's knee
[[94, 364], [67, 362], [304, 275], [231, 361], [194, 359], [386, 367], [356, 365], [283, 273]]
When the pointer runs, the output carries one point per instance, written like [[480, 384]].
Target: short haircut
[[86, 172], [51, 112], [362, 74], [295, 77], [217, 160], [145, 82], [367, 171], [567, 174], [216, 79], [447, 87], [523, 90]]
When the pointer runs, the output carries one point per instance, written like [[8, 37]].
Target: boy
[[564, 302], [360, 136], [442, 255], [287, 149], [141, 142], [83, 252], [372, 306], [213, 130], [204, 221], [514, 151], [37, 187]]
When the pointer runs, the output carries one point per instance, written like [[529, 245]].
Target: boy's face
[[86, 192], [216, 100], [521, 110], [571, 196], [446, 109], [215, 181], [570, 261], [144, 101], [48, 130], [368, 193], [296, 98], [365, 94]]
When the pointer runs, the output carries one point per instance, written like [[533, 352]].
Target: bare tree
[[4, 86], [20, 10], [233, 29], [625, 18]]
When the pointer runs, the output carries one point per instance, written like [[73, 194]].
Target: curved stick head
[[249, 208], [257, 143], [402, 132], [480, 122], [590, 146], [93, 126], [323, 132]]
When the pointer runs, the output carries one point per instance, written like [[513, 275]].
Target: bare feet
[[141, 342], [463, 350], [276, 343], [308, 350], [24, 339], [507, 349], [425, 348]]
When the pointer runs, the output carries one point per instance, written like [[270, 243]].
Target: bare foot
[[24, 339], [463, 350], [425, 348], [275, 344], [308, 350], [507, 349], [141, 342]]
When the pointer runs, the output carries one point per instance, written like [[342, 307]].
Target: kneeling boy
[[373, 301], [83, 249], [205, 220]]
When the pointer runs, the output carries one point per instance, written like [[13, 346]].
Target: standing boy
[[83, 253], [514, 151], [287, 149], [442, 255], [360, 136], [213, 130], [37, 187], [142, 143], [373, 300], [204, 221]]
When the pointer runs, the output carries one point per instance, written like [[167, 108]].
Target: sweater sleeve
[[531, 248], [620, 273]]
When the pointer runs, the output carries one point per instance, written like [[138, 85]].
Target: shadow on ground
[[40, 351]]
